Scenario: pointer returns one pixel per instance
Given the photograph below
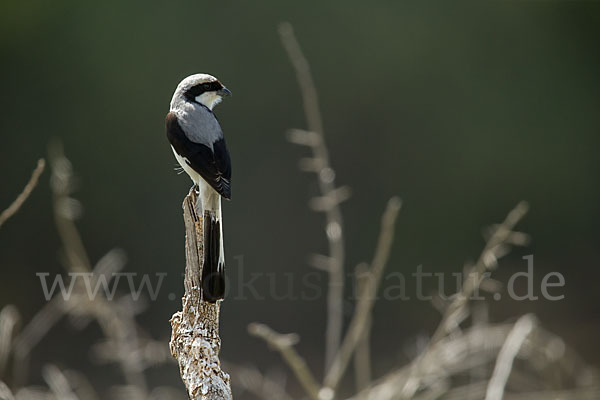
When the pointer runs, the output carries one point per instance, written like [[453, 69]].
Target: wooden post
[[195, 341]]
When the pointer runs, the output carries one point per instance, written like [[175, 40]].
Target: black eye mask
[[197, 90]]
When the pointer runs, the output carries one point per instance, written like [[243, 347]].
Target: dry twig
[[284, 344], [58, 383], [114, 318], [18, 202], [260, 385], [336, 357], [358, 327], [476, 348], [362, 354], [5, 392], [496, 246], [331, 197], [9, 317], [506, 356], [367, 297]]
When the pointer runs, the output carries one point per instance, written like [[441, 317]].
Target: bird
[[199, 146]]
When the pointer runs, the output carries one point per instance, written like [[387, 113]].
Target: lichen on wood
[[195, 341]]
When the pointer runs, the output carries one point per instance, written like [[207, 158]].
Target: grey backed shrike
[[199, 146]]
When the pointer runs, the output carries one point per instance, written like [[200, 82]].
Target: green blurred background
[[462, 109]]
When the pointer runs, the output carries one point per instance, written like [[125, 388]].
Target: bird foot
[[194, 188]]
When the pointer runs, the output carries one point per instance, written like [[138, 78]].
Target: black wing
[[214, 166]]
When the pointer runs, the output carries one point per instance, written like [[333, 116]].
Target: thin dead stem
[[18, 202], [9, 317], [508, 352], [260, 385], [330, 196], [114, 318], [457, 352], [362, 355], [284, 344], [358, 325], [33, 332], [495, 247], [5, 392], [58, 383], [116, 321]]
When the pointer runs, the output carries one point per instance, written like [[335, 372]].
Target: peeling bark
[[195, 341]]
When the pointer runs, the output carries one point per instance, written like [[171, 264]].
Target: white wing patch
[[184, 162]]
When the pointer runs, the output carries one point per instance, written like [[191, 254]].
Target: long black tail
[[213, 272]]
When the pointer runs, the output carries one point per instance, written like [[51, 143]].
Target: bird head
[[202, 89]]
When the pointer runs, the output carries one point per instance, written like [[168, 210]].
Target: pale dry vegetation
[[466, 357]]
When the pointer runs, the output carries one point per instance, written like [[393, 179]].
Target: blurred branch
[[478, 390], [128, 392], [362, 356], [575, 394], [336, 357], [9, 317], [67, 209], [58, 383], [452, 355], [477, 347], [33, 332], [284, 345], [80, 384], [367, 297], [18, 202], [114, 318], [195, 341], [257, 383], [61, 185], [495, 247], [506, 356], [330, 198], [310, 98], [5, 392], [359, 326]]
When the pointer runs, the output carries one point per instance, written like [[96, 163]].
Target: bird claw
[[194, 189]]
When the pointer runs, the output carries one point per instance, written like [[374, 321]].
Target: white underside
[[209, 199]]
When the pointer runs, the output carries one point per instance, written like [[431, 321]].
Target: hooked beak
[[224, 92]]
